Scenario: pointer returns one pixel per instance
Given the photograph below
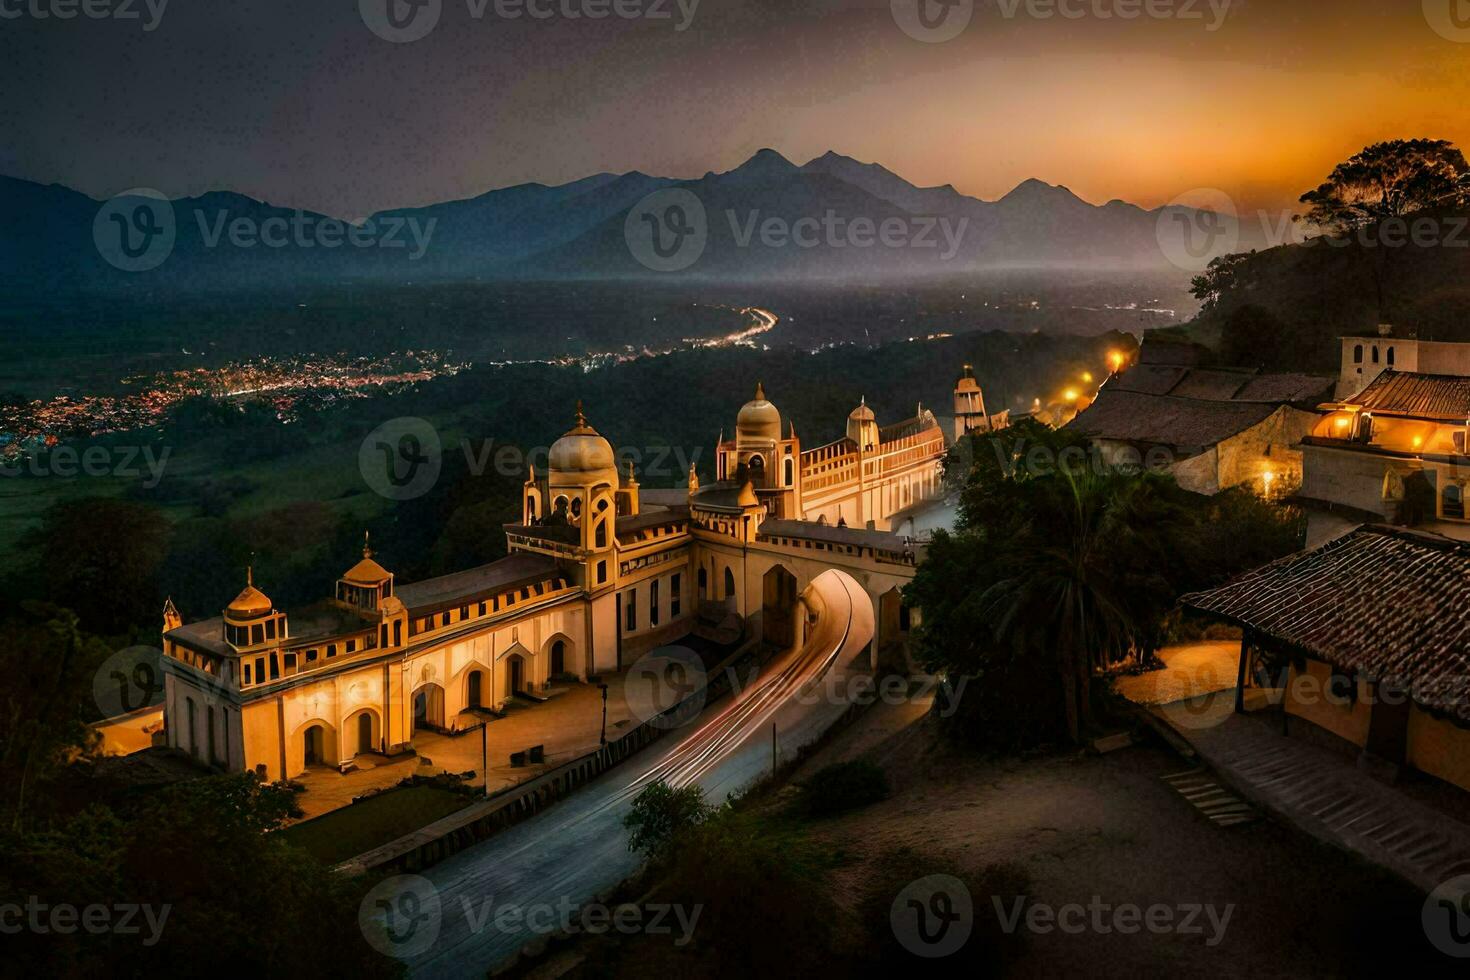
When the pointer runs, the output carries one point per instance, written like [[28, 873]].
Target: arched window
[[1453, 501], [790, 472], [1390, 357], [704, 583], [1358, 354], [1375, 353], [729, 583], [530, 508], [600, 534], [576, 508]]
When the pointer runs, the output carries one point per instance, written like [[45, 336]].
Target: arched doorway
[[365, 732], [559, 657], [757, 471], [516, 673], [703, 584], [428, 707], [315, 742], [729, 595], [474, 689], [778, 608]]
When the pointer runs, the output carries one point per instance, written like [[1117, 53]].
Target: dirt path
[[1088, 829]]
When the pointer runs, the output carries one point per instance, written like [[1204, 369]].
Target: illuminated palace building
[[598, 573]]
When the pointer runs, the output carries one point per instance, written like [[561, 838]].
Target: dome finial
[[760, 392], [581, 416], [367, 551]]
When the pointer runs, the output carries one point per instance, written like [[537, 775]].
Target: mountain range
[[767, 219]]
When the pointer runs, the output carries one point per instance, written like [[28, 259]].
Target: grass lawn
[[334, 837]]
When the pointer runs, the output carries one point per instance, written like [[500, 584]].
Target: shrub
[[760, 885], [842, 787], [660, 813]]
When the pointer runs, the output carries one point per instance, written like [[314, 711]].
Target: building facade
[[598, 573]]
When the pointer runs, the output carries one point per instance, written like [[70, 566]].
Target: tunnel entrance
[[778, 608]]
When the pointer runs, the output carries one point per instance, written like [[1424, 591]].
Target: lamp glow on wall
[[1115, 358]]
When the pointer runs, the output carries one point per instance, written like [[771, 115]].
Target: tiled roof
[[1211, 385], [1383, 602], [1186, 423], [908, 427], [1427, 396], [522, 568], [1222, 384], [1150, 379], [833, 534], [1304, 388]]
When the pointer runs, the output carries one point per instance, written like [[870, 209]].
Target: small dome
[[582, 456], [249, 604], [366, 572], [862, 413], [758, 421]]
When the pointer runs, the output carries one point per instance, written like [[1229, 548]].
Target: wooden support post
[[1245, 647]]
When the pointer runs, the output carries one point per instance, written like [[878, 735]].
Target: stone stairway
[[1206, 795]]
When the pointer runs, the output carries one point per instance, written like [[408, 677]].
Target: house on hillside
[[1367, 638], [1395, 450], [1219, 427], [1365, 358]]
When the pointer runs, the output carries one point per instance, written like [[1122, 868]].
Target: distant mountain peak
[[1033, 189], [765, 162]]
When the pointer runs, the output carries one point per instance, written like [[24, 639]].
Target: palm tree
[[1060, 597]]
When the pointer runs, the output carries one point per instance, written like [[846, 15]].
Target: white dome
[[758, 422], [582, 457]]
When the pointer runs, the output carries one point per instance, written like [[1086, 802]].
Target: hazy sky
[[298, 102]]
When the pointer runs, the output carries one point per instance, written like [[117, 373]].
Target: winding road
[[568, 854]]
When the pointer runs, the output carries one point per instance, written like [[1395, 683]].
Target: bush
[[660, 813], [842, 787], [760, 884]]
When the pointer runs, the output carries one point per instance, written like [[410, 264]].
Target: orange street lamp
[[1116, 360], [1070, 394]]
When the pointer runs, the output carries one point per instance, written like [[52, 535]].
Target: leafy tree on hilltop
[[1389, 180]]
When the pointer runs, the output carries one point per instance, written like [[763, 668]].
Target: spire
[[632, 480], [581, 416], [532, 477], [171, 618], [693, 480], [250, 572], [760, 392], [367, 551]]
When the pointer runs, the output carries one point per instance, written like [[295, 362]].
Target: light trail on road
[[577, 849]]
